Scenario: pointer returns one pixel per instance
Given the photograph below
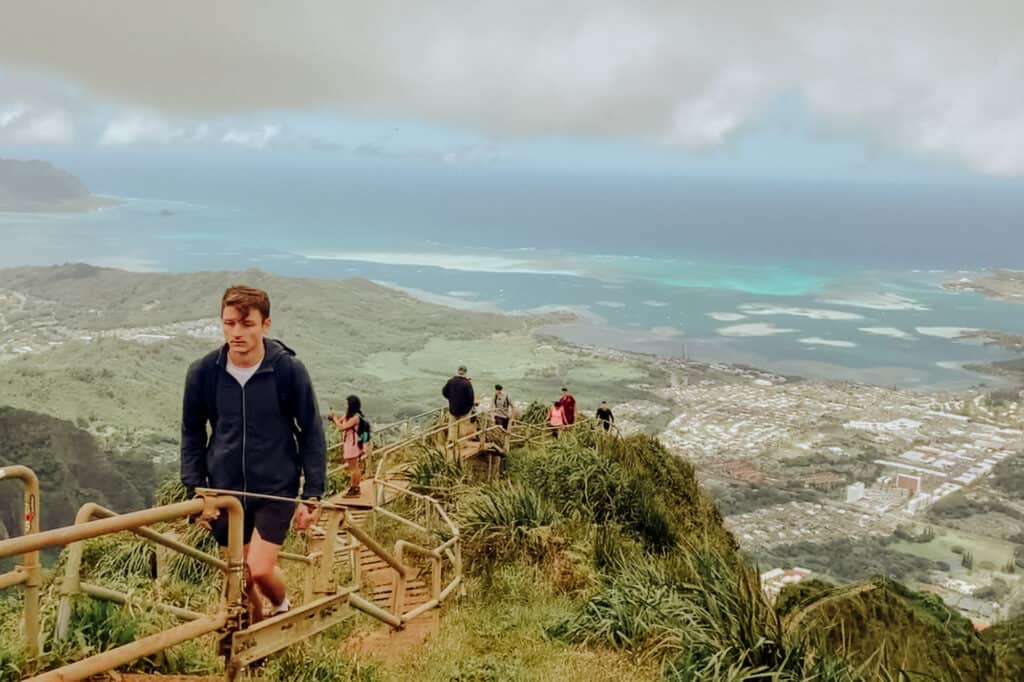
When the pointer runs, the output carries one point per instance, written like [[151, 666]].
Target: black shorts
[[502, 422], [272, 518]]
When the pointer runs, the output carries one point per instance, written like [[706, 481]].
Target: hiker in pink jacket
[[556, 418]]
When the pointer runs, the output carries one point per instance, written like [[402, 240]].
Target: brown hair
[[245, 298]]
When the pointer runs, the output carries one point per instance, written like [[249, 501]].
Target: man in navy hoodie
[[265, 437]]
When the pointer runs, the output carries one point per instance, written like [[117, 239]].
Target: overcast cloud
[[942, 79]]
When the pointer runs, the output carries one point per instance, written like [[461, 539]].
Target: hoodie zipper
[[245, 429]]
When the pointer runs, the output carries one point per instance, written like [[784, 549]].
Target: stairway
[[378, 585]]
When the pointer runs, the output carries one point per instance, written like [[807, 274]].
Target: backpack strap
[[210, 376], [284, 379]]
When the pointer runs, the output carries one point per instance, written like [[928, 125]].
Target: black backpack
[[363, 430], [284, 377]]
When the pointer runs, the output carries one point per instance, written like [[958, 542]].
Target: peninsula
[[41, 187]]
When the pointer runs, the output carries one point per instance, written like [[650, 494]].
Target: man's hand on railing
[[204, 517], [306, 515]]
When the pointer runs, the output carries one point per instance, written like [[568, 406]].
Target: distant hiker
[[355, 433], [459, 392], [265, 437], [502, 406], [568, 404], [556, 418], [604, 416]]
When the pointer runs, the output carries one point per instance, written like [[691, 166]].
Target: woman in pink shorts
[[352, 447]]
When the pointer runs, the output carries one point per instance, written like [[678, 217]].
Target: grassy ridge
[[593, 558]]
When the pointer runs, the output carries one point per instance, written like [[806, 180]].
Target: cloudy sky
[[807, 88]]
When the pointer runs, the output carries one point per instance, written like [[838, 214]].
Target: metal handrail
[[71, 583], [240, 645], [229, 614]]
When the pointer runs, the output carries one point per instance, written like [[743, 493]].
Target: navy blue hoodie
[[263, 436]]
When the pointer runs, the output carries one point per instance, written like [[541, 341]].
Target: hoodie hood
[[273, 350]]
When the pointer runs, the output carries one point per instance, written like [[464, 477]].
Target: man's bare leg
[[251, 593], [255, 600], [261, 561]]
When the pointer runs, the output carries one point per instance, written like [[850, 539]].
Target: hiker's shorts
[[272, 518]]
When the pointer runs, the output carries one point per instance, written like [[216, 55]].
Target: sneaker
[[283, 607], [352, 492]]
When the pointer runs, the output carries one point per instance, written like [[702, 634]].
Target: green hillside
[[600, 559], [110, 348], [72, 470]]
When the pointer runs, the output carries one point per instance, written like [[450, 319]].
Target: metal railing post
[[30, 568]]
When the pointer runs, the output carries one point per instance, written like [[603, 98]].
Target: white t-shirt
[[242, 374]]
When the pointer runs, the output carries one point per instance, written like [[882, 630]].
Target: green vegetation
[[1008, 476], [960, 505], [950, 545], [895, 629], [908, 534], [1007, 638], [848, 560], [737, 497], [592, 558]]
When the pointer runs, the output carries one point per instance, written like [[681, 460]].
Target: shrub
[[435, 473], [505, 519], [694, 611], [588, 486]]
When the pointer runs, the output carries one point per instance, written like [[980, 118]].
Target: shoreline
[[709, 352], [91, 204], [1002, 285], [583, 328]]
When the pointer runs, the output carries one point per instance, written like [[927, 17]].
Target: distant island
[[39, 186]]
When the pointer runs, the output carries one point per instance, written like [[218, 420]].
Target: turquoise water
[[788, 309]]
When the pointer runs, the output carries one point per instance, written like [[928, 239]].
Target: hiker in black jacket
[[266, 437], [459, 392], [604, 416]]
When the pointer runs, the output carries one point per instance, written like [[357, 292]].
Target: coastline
[[720, 351], [580, 327], [999, 285], [90, 204]]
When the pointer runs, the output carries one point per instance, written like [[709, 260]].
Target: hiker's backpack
[[363, 430], [284, 378]]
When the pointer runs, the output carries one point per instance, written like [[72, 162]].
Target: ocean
[[814, 278]]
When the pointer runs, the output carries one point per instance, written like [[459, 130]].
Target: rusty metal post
[[435, 582], [234, 592], [30, 566], [324, 581], [70, 584], [398, 586]]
